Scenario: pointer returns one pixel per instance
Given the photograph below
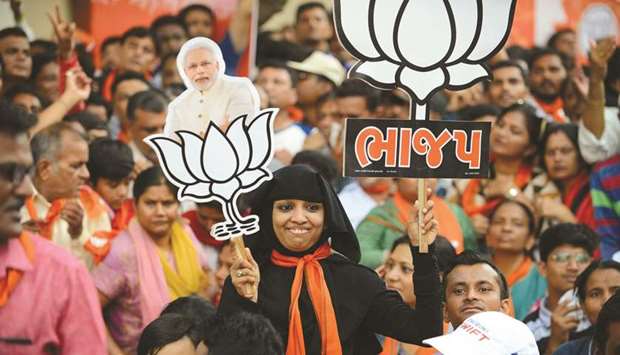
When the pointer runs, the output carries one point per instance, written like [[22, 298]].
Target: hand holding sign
[[244, 272], [429, 225]]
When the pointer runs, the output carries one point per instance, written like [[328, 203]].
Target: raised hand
[[78, 83], [64, 32], [601, 51], [16, 7]]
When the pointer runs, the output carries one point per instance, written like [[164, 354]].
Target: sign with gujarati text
[[416, 149]]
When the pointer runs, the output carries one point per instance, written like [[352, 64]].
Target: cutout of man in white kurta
[[211, 95]]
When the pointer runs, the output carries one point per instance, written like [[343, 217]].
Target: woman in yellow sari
[[154, 261]]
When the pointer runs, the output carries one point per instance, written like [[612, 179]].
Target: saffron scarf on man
[[159, 283], [9, 283], [91, 202], [554, 109], [308, 267]]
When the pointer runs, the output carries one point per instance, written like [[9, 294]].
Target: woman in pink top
[[154, 261]]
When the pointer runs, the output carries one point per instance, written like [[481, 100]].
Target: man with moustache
[[548, 80], [62, 207], [48, 303], [473, 284]]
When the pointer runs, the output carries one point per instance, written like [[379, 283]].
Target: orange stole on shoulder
[[309, 267], [8, 284]]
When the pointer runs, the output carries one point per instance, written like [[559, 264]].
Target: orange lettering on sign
[[469, 156], [425, 143], [371, 146]]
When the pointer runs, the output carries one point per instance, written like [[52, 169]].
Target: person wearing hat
[[302, 273], [211, 95], [318, 75], [489, 333]]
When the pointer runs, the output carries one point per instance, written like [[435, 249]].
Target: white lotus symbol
[[422, 46], [220, 166]]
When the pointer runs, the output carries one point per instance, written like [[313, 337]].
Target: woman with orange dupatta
[[510, 238], [153, 262], [303, 274], [514, 138]]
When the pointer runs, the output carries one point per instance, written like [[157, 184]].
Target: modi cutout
[[211, 95]]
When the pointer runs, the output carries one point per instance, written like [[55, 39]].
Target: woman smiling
[[303, 274]]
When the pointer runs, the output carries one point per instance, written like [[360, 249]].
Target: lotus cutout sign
[[220, 166], [422, 46]]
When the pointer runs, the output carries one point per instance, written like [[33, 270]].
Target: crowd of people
[[97, 255]]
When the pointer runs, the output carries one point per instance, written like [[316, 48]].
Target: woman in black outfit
[[307, 250]]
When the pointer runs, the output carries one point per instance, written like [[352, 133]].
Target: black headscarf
[[301, 182]]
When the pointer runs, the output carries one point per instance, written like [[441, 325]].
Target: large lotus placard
[[422, 46], [220, 166]]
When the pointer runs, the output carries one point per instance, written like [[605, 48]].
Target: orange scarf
[[123, 216], [45, 225], [390, 346], [520, 272], [93, 208], [309, 267], [468, 201], [120, 222], [380, 187], [90, 200], [554, 109], [8, 284], [449, 226]]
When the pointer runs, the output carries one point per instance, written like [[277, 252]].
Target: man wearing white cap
[[318, 75], [488, 333], [211, 95]]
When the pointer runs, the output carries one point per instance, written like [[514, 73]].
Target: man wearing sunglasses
[[565, 251], [48, 302]]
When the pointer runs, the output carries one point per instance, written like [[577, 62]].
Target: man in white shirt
[[211, 95], [62, 208]]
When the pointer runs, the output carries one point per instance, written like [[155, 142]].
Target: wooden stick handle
[[238, 248], [422, 242]]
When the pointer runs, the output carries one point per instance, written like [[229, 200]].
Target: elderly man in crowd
[[62, 208]]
